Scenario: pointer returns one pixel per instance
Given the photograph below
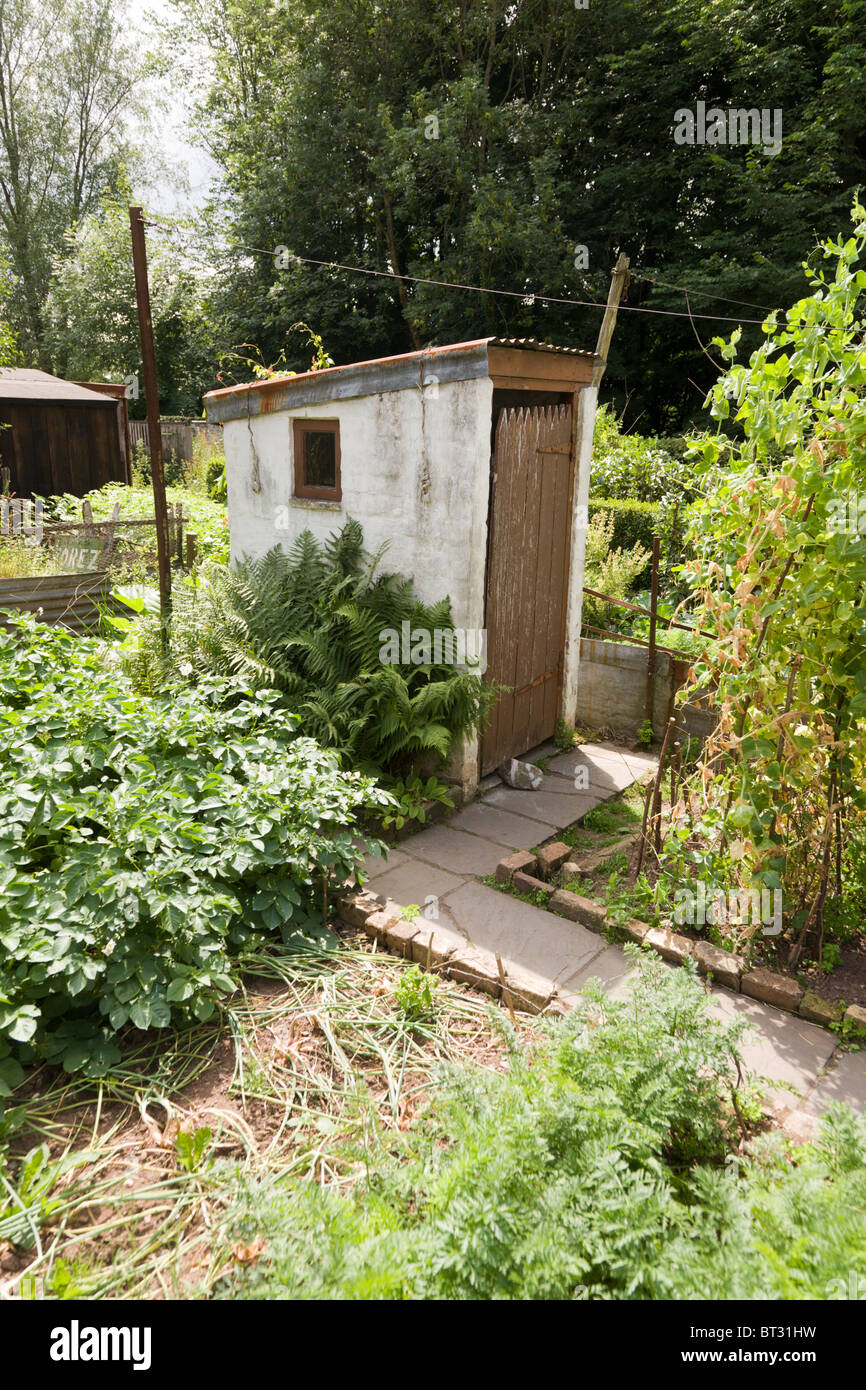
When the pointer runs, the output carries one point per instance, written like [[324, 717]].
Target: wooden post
[[655, 825], [506, 992], [191, 549], [151, 397], [618, 283], [651, 654], [5, 481]]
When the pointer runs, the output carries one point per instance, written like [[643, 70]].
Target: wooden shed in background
[[61, 436]]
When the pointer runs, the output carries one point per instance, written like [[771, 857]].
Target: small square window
[[317, 459]]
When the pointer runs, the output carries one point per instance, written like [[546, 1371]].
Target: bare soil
[[293, 1047]]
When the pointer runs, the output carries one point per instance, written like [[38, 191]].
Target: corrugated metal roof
[[28, 384], [452, 362], [536, 345]]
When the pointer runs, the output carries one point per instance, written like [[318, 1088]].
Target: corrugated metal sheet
[[69, 600], [536, 345]]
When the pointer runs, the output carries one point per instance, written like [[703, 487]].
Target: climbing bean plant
[[778, 797]]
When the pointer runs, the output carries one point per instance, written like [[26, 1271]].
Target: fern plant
[[309, 623]]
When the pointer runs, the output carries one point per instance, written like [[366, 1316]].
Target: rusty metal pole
[[651, 655], [151, 397]]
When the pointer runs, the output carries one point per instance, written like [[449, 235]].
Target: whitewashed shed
[[472, 462]]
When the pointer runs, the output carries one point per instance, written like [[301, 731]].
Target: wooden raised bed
[[70, 600]]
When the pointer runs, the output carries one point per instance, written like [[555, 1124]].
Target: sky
[[170, 129]]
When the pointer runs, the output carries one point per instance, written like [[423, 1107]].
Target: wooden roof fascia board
[[534, 366]]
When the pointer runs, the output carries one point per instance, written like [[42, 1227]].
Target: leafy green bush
[[608, 570], [415, 994], [634, 523], [310, 625], [410, 794], [144, 843], [647, 485], [778, 576], [594, 1167], [639, 467], [215, 478]]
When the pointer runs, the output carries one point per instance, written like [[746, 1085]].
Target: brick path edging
[[519, 871], [440, 949]]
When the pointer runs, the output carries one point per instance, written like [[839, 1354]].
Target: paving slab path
[[438, 868]]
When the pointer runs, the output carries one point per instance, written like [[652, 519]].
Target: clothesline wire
[[526, 295]]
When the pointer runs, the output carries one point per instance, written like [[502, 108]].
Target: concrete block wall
[[611, 690]]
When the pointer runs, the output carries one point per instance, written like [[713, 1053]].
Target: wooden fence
[[87, 551], [178, 436], [97, 542]]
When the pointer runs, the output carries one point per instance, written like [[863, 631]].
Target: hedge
[[635, 523]]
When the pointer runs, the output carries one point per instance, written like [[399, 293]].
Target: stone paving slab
[[611, 967], [602, 773], [783, 1048], [375, 864], [519, 932], [456, 851], [844, 1080], [640, 764], [413, 881], [550, 808], [542, 750], [601, 752], [443, 861], [503, 827]]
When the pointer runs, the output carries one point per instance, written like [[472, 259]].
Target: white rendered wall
[[415, 473]]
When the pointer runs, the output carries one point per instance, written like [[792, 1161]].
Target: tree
[[8, 344], [68, 78], [91, 321], [484, 142]]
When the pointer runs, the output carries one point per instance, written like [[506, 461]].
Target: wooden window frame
[[306, 426]]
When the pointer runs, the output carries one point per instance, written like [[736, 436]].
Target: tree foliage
[[68, 90], [484, 142], [91, 318]]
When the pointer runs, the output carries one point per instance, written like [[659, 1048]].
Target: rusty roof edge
[[455, 362], [426, 368]]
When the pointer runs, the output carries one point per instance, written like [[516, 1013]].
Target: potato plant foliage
[[145, 843]]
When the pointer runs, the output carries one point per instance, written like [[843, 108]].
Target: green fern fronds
[[308, 622]]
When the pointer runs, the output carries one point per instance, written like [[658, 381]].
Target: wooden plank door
[[527, 573]]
